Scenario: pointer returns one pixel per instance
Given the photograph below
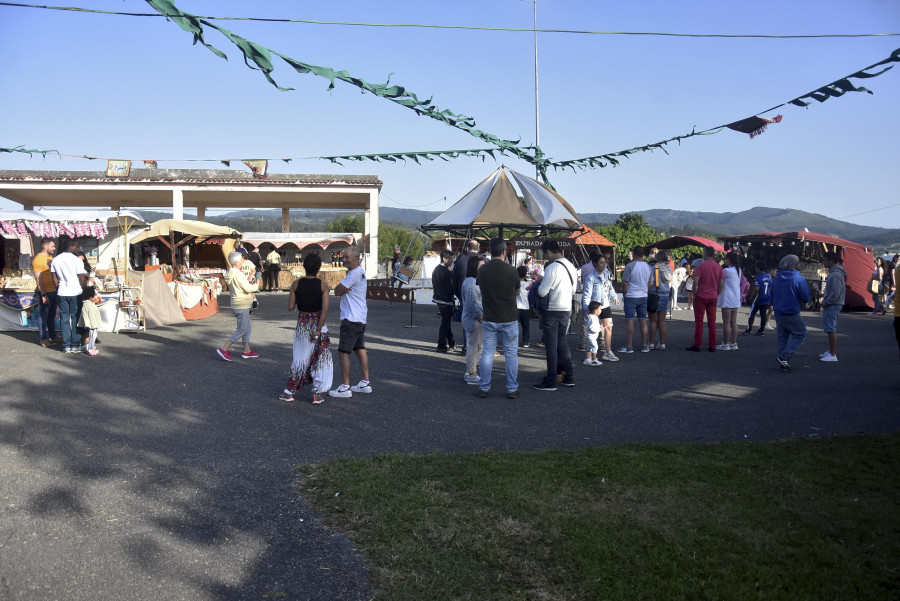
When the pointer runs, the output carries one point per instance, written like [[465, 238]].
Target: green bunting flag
[[840, 87], [429, 155], [29, 151]]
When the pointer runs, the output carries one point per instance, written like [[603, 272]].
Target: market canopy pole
[[125, 227]]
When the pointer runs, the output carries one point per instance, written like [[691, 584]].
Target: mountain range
[[757, 219]]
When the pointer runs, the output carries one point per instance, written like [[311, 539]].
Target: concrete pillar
[[201, 213], [370, 263], [285, 220], [177, 203]]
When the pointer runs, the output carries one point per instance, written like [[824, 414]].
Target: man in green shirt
[[499, 283]]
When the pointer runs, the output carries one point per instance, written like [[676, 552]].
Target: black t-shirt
[[308, 295], [499, 283]]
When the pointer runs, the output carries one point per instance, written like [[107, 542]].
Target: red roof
[[811, 236], [590, 237]]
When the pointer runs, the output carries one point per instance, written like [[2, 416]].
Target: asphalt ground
[[155, 470]]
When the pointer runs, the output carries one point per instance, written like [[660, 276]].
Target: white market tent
[[496, 204], [112, 248]]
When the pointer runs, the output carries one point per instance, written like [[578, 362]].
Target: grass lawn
[[803, 519]]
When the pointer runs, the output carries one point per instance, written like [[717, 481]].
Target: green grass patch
[[803, 519]]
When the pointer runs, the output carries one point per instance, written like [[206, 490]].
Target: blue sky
[[135, 88]]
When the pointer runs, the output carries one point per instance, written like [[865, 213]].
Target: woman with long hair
[[730, 301], [472, 316], [312, 363], [659, 285], [878, 276]]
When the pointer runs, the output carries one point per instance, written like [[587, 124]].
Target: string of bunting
[[430, 155], [464, 27]]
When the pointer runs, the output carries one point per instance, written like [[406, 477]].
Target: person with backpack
[[556, 291], [730, 300]]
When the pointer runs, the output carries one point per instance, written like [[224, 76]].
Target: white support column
[[201, 213], [371, 234], [177, 203]]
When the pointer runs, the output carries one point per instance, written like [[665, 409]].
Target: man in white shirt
[[559, 285], [635, 282], [69, 275], [273, 268], [352, 291]]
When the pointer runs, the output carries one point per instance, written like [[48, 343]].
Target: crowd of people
[[493, 301], [66, 284]]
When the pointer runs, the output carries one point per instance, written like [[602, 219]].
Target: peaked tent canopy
[[495, 203], [166, 227]]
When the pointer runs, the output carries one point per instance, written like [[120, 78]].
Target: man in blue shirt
[[789, 293]]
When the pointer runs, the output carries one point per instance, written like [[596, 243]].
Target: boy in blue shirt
[[763, 300]]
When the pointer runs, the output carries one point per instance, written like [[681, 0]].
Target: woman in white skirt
[[312, 362]]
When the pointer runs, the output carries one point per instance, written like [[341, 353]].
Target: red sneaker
[[224, 354], [250, 355]]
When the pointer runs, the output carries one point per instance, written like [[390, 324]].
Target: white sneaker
[[769, 326], [363, 386], [473, 379], [828, 357], [660, 347], [651, 346], [610, 357], [723, 347], [587, 362], [341, 392], [734, 346], [825, 354], [595, 362]]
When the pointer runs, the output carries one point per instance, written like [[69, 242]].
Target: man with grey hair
[[352, 291], [789, 293], [241, 300]]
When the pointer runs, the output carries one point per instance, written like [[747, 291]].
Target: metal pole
[[537, 110]]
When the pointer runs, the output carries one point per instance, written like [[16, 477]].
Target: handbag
[[874, 285]]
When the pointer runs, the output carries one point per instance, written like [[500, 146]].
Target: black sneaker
[[761, 333], [693, 349], [784, 363], [569, 384], [712, 349], [512, 394], [544, 386], [482, 394], [747, 332], [441, 349]]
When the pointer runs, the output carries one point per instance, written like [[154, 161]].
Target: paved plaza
[[155, 470]]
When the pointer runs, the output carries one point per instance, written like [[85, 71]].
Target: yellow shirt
[[273, 258], [241, 290], [40, 265]]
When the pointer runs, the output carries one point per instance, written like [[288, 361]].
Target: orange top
[[40, 265]]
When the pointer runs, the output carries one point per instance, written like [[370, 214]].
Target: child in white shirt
[[591, 333]]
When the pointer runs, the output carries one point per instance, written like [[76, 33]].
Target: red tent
[[809, 246], [679, 241]]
